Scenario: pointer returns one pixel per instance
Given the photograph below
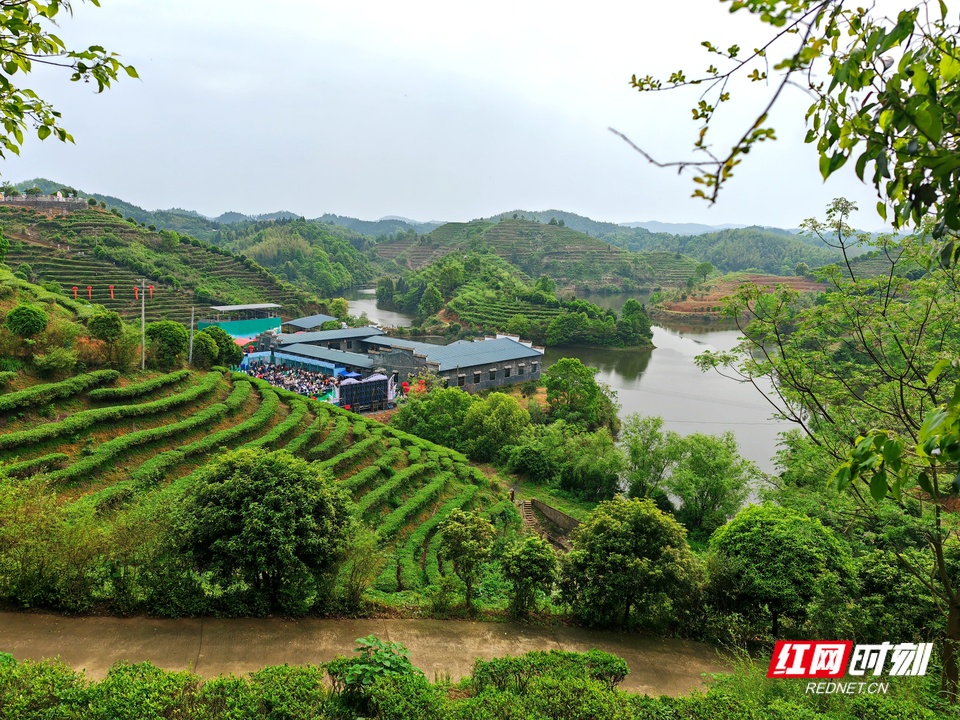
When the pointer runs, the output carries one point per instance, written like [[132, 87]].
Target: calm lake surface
[[663, 381]]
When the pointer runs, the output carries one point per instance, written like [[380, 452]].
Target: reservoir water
[[663, 381]]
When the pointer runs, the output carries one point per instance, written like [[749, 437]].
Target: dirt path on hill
[[214, 647]]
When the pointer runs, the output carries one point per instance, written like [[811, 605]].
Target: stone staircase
[[530, 522]]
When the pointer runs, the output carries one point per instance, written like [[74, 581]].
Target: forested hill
[[465, 294], [751, 249], [96, 248], [184, 222], [322, 258], [572, 259], [379, 228]]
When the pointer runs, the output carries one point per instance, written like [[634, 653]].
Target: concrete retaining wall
[[561, 519]]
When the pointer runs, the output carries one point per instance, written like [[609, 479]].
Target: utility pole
[[143, 324], [190, 358]]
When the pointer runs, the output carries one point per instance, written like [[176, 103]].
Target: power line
[[704, 398]]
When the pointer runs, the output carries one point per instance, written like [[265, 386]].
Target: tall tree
[[466, 541], [649, 454], [776, 562], [269, 521], [628, 556], [574, 395], [530, 564], [711, 480]]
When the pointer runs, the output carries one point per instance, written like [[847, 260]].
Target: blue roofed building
[[311, 322], [470, 365]]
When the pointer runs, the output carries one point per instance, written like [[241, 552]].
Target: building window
[[461, 380], [476, 378], [506, 373], [533, 368], [349, 344], [520, 369], [493, 373]]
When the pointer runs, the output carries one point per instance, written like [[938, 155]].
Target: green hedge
[[336, 438], [374, 497], [354, 454], [153, 470], [28, 467], [411, 574], [398, 518], [298, 411], [297, 444], [360, 430], [6, 376], [138, 389], [239, 395], [358, 480], [110, 449], [43, 394], [88, 418]]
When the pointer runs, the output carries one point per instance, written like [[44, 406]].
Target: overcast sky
[[427, 110]]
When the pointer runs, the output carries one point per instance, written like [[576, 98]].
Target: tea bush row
[[297, 443], [381, 465], [408, 555], [43, 394], [398, 518], [337, 438], [28, 467], [153, 469], [137, 389], [86, 419], [374, 497], [356, 453], [110, 449], [298, 410]]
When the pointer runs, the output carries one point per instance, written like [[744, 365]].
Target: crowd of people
[[298, 380]]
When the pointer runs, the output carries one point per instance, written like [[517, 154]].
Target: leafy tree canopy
[[170, 341], [628, 557], [466, 541], [228, 352], [575, 396], [205, 350], [25, 39], [531, 565], [270, 521], [106, 326], [779, 561], [493, 424], [437, 415], [26, 320]]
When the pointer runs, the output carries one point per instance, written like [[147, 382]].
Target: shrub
[[57, 361], [25, 321], [205, 350]]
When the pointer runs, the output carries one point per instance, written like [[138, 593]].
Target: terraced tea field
[[571, 258], [110, 449], [106, 250], [494, 315]]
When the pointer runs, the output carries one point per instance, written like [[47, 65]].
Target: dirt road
[[212, 647]]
